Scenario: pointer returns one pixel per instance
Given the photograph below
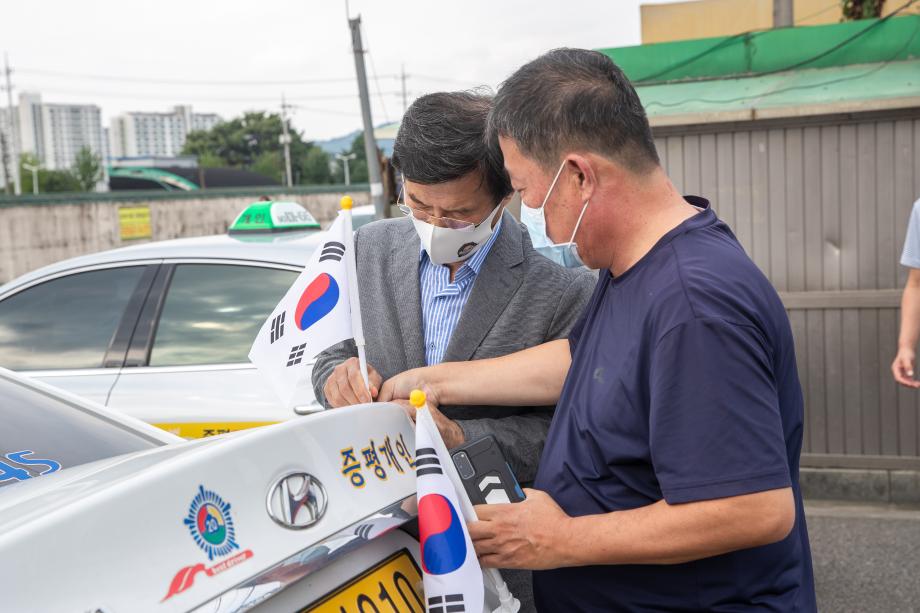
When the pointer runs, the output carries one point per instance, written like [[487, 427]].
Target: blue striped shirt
[[443, 300], [911, 255]]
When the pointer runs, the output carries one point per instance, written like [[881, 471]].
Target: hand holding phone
[[486, 475]]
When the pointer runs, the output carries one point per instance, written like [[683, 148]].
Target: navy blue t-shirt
[[683, 387]]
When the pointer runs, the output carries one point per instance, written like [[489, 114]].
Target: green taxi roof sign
[[270, 217]]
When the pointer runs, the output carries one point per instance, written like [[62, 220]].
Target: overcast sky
[[60, 48]]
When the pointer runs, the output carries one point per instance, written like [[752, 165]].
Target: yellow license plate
[[392, 586]]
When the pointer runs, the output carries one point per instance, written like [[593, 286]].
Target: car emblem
[[297, 501]]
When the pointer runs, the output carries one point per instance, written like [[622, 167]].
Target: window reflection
[[213, 312], [66, 322]]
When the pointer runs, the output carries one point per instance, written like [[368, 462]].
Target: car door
[[72, 329], [187, 370]]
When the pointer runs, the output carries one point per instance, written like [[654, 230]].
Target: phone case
[[492, 481]]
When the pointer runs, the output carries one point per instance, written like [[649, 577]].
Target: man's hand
[[400, 386], [345, 386], [529, 534], [450, 430], [903, 368]]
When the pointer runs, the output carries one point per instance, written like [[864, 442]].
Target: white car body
[[190, 398], [110, 535]]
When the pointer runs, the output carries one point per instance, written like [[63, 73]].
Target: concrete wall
[[41, 231]]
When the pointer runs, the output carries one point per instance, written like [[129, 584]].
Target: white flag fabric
[[451, 572], [314, 314]]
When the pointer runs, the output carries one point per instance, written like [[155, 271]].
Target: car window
[[213, 312], [42, 433], [67, 322]]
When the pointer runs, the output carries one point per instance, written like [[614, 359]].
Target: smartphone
[[486, 475]]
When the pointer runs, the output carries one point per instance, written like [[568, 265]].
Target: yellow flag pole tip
[[346, 203], [417, 398]]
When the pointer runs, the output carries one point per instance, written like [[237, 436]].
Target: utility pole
[[33, 168], [345, 159], [405, 98], [370, 143], [17, 187], [286, 142], [5, 160], [782, 13]]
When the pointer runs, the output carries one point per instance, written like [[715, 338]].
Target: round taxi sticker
[[210, 524]]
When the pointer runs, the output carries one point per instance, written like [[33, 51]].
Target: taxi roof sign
[[270, 217]]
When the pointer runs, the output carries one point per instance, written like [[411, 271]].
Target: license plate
[[392, 586]]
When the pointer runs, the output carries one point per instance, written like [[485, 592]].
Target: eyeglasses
[[443, 222]]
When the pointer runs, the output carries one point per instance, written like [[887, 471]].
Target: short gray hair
[[442, 137], [573, 99]]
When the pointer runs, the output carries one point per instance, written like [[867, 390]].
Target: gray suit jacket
[[519, 299]]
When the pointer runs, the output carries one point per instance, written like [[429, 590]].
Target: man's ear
[[583, 175]]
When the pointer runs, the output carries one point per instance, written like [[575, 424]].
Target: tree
[[315, 169], [861, 9], [357, 167], [57, 181], [48, 180], [252, 142], [269, 164], [87, 169], [210, 160]]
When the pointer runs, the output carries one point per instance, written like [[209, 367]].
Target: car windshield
[[42, 433]]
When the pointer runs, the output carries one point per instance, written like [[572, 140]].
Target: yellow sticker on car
[[394, 584], [202, 429]]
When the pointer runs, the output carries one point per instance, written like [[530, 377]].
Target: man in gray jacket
[[455, 279]]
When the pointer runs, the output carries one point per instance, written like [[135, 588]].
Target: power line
[[835, 5], [425, 77], [153, 96], [694, 58], [205, 82], [782, 90], [327, 111], [753, 33], [370, 56]]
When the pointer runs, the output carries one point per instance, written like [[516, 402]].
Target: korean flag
[[452, 575], [314, 314]]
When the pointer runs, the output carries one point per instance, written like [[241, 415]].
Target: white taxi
[[102, 513], [161, 331]]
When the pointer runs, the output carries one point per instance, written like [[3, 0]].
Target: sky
[[231, 56]]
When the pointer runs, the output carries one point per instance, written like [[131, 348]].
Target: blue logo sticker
[[210, 524]]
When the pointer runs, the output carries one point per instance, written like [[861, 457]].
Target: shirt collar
[[476, 261]]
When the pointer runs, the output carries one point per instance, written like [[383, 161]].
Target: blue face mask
[[534, 219]]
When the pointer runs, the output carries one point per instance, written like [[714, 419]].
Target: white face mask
[[564, 254], [448, 245]]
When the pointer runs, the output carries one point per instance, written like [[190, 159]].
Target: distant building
[[707, 18], [54, 133], [156, 134]]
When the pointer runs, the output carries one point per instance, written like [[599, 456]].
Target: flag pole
[[351, 268], [507, 602]]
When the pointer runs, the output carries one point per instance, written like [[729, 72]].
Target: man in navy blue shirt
[[669, 480]]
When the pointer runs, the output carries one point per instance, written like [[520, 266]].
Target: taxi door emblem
[[296, 501]]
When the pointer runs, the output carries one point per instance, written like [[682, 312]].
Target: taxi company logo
[[442, 541], [297, 501], [317, 300], [185, 578], [210, 524]]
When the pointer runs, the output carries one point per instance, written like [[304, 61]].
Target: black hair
[[573, 99], [442, 137]]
